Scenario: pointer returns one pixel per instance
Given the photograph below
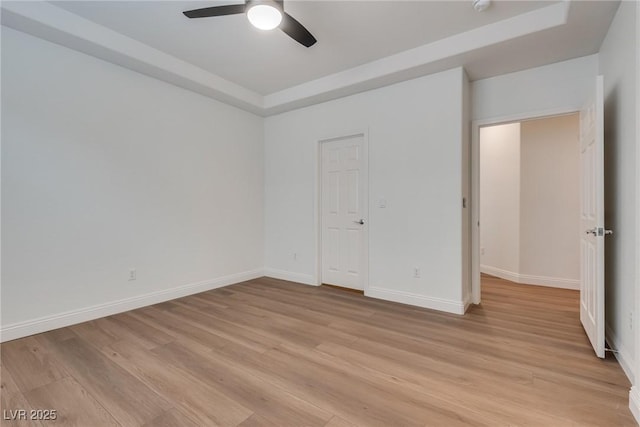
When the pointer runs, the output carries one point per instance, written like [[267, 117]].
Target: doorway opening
[[530, 201], [591, 230], [527, 180]]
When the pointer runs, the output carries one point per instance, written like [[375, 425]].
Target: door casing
[[475, 182]]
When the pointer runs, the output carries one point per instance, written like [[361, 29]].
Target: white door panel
[[592, 220], [343, 206]]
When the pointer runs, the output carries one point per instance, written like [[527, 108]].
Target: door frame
[[317, 211], [475, 182], [634, 395]]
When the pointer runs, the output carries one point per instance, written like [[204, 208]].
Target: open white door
[[592, 219]]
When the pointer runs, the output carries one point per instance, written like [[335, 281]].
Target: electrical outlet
[[416, 273], [481, 251], [295, 256], [631, 320], [132, 274]]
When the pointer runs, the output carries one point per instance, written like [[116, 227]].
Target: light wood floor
[[273, 353]]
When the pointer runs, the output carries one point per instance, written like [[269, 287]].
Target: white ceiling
[[349, 33], [361, 44]]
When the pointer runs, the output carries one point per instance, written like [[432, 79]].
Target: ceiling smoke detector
[[480, 5]]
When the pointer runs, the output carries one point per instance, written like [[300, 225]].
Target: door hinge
[[600, 231]]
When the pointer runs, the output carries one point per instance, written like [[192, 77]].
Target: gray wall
[[618, 66]]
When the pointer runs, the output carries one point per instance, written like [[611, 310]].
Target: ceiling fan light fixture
[[481, 5], [264, 16]]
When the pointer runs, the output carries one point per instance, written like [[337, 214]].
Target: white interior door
[[344, 202], [592, 219]]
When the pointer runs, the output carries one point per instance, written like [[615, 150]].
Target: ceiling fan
[[263, 14]]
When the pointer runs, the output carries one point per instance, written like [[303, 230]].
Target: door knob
[[593, 231], [361, 222]]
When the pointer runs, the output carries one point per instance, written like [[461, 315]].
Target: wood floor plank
[[125, 327], [470, 386], [97, 332], [462, 339], [269, 352], [202, 334], [417, 402], [74, 406], [342, 394], [319, 305], [339, 422], [257, 420], [202, 402], [228, 330], [267, 401], [128, 400], [278, 327], [60, 334], [30, 364], [7, 385], [142, 332], [11, 401], [172, 418]]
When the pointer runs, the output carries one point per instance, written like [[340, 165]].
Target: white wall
[[104, 170], [500, 199], [564, 86], [618, 65], [415, 152], [550, 200]]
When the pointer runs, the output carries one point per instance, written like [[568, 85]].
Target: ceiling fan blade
[[230, 9], [297, 31]]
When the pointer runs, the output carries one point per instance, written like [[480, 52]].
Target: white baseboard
[[306, 279], [449, 306], [60, 320], [622, 353], [498, 272], [634, 402], [528, 279]]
